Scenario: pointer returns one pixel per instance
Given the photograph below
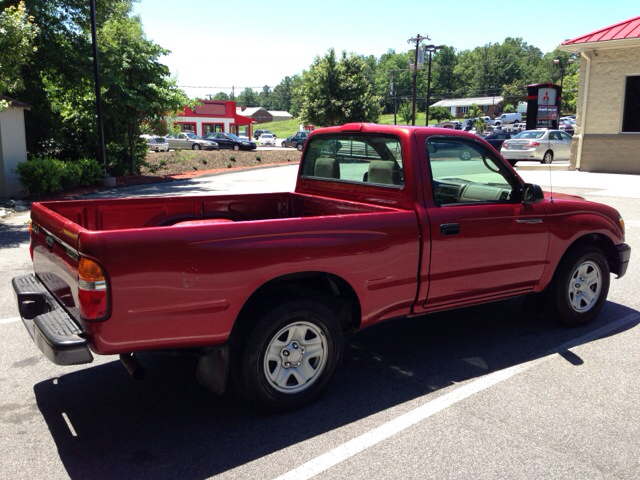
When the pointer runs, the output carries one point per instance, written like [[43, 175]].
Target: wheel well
[[601, 242], [329, 289]]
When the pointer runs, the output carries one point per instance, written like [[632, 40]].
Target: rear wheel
[[581, 286], [290, 356], [299, 147], [548, 157]]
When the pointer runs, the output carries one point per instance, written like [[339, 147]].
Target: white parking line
[[9, 320], [401, 423]]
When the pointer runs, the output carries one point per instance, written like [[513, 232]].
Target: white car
[[267, 139], [543, 146], [155, 143]]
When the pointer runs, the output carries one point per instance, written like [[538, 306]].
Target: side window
[[565, 136], [463, 172], [367, 159]]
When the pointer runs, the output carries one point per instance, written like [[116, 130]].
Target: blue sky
[[255, 43]]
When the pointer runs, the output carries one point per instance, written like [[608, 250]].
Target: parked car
[[156, 143], [544, 146], [258, 133], [190, 141], [267, 139], [450, 124], [518, 127], [567, 125], [508, 118], [296, 138], [497, 138], [231, 141]]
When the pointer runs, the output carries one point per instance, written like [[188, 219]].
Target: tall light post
[[563, 67], [430, 49], [96, 76]]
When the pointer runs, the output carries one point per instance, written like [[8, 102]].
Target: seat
[[326, 168], [381, 171]]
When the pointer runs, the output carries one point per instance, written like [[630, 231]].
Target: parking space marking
[[353, 447], [9, 320]]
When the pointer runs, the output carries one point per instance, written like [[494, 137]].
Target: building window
[[631, 113], [463, 109]]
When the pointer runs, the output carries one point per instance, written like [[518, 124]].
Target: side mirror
[[532, 193]]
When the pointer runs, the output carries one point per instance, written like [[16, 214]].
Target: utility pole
[[418, 39]]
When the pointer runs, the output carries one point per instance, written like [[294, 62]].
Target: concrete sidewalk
[[604, 184]]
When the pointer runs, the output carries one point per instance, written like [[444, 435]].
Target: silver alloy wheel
[[295, 357], [585, 286], [548, 157]]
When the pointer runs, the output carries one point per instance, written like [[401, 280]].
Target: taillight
[[93, 291], [532, 144]]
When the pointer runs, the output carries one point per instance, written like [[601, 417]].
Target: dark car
[[231, 141], [497, 138], [257, 133], [295, 139]]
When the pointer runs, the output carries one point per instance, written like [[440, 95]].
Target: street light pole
[[562, 67], [96, 75], [430, 49], [417, 40]]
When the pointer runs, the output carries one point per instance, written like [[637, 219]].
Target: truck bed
[[180, 269]]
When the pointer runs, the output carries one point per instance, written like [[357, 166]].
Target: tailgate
[[54, 242]]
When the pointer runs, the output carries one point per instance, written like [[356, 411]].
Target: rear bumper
[[52, 329], [624, 255]]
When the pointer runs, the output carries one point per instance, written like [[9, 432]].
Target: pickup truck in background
[[385, 222]]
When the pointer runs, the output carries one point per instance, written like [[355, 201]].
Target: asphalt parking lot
[[486, 392]]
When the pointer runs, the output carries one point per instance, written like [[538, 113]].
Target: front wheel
[[581, 286], [291, 355], [195, 147], [299, 147], [236, 147]]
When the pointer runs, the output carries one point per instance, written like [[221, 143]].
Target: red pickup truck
[[384, 222]]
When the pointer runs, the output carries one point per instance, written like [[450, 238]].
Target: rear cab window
[[371, 159]]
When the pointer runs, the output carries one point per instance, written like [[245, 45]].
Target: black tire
[[547, 158], [465, 155], [276, 371], [512, 162], [195, 147], [580, 286], [236, 147], [299, 147]]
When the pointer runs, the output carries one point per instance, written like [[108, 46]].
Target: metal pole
[[96, 74], [426, 122], [415, 77]]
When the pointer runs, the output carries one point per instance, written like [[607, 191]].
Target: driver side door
[[485, 242]]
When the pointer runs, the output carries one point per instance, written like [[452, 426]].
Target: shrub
[[44, 175]]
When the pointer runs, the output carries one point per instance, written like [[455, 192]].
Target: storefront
[[214, 116]]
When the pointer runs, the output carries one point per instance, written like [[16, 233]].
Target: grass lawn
[[286, 128]]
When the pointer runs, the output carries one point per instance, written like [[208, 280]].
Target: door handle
[[450, 229]]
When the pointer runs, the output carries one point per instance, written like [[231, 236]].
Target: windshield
[[233, 137], [530, 134]]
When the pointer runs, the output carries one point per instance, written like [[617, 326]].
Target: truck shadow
[[106, 425]]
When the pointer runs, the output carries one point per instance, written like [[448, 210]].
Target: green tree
[[220, 96], [338, 91], [405, 112], [438, 114], [247, 98], [17, 35], [59, 84]]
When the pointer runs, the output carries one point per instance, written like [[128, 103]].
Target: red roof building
[[607, 136], [629, 29], [214, 116]]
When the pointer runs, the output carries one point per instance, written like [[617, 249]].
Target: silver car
[[543, 146], [190, 141]]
